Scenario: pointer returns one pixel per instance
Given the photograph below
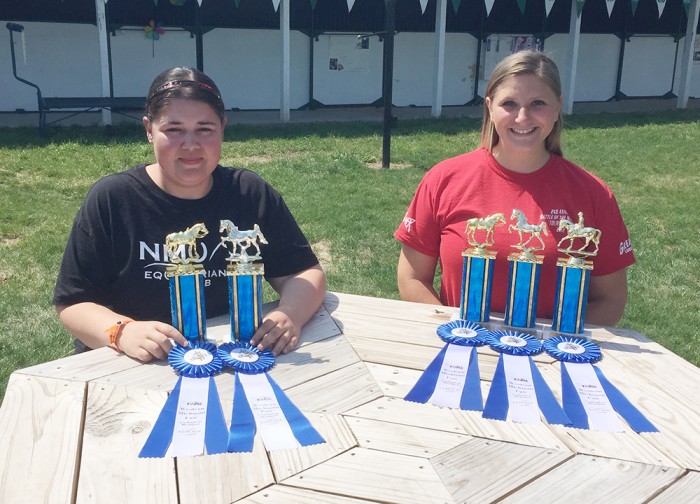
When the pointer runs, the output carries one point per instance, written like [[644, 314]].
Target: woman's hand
[[148, 340], [142, 340], [300, 297], [278, 332]]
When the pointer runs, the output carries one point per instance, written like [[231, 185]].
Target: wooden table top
[[71, 429]]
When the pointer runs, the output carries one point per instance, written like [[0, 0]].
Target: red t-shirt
[[475, 185]]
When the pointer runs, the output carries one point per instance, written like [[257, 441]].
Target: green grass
[[329, 176]]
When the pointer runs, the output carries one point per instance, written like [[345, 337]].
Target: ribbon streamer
[[452, 378], [282, 425], [192, 414], [594, 410], [521, 380]]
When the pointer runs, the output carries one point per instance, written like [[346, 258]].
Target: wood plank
[[201, 479], [539, 434], [410, 356], [282, 494], [394, 381], [399, 321], [679, 426], [685, 489], [397, 382], [338, 436], [319, 327], [481, 470], [117, 424], [313, 360], [670, 372], [403, 439], [85, 366], [40, 423], [352, 386], [398, 411], [155, 375], [339, 304], [588, 479], [374, 475], [302, 365]]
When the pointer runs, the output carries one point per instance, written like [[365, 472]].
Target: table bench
[[87, 104]]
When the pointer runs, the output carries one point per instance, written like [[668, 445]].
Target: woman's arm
[[607, 297], [142, 340], [415, 274], [300, 297]]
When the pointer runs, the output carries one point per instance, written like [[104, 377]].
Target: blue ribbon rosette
[[281, 424], [518, 389], [452, 378], [587, 395], [192, 418]]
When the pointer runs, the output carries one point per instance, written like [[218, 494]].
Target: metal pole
[[388, 79]]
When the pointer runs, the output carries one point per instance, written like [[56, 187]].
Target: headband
[[186, 83]]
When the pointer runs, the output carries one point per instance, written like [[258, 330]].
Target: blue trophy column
[[572, 294], [477, 279], [187, 305], [245, 300], [523, 284]]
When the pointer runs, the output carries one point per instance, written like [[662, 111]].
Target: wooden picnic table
[[71, 429]]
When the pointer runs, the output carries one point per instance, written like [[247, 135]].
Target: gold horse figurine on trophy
[[523, 228], [188, 239], [577, 231], [242, 240], [486, 224]]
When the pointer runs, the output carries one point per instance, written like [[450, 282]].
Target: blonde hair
[[526, 62]]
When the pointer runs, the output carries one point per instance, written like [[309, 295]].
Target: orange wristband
[[115, 331]]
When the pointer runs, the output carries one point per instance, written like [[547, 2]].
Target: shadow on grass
[[27, 136]]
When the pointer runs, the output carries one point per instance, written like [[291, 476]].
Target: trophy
[[573, 275], [187, 283], [477, 271], [524, 273], [244, 279]]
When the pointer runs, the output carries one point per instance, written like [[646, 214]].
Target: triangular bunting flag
[[456, 4], [579, 6], [635, 3], [661, 4], [423, 5], [351, 4], [548, 4], [276, 4], [489, 6], [521, 6], [610, 4]]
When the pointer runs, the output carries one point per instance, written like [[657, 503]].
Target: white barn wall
[[648, 66], [62, 59], [360, 80], [596, 72], [414, 60], [246, 65], [136, 60], [460, 68], [694, 76]]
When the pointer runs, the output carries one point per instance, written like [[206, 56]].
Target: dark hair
[[182, 83], [526, 62]]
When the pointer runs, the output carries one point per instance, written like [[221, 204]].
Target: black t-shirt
[[116, 254]]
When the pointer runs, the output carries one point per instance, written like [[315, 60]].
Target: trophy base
[[536, 331], [586, 334]]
